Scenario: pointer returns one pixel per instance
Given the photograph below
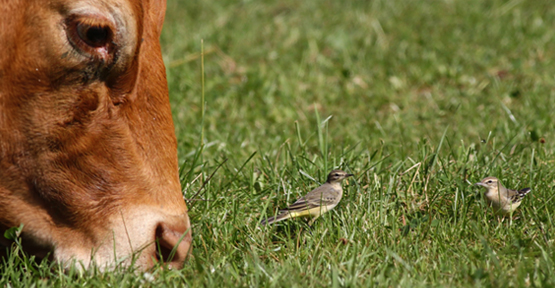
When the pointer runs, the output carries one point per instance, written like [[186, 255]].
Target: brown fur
[[87, 143]]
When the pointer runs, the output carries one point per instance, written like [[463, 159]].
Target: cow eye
[[94, 36]]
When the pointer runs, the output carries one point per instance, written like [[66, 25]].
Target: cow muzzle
[[141, 238]]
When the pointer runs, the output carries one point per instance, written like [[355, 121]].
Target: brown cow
[[87, 146]]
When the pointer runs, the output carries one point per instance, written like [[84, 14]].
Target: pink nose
[[174, 242]]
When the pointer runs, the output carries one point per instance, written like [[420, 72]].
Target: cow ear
[[157, 13]]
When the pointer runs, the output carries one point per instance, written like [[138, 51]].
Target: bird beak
[[480, 184], [349, 175]]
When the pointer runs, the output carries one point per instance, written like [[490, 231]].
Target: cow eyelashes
[[92, 36]]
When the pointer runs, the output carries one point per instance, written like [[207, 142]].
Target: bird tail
[[280, 217]]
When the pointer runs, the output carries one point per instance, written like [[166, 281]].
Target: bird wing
[[516, 196], [322, 196]]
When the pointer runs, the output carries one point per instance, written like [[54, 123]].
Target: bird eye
[[490, 181]]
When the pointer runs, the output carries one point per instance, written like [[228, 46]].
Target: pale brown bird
[[316, 202], [504, 201]]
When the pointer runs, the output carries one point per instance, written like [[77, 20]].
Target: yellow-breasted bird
[[504, 201], [316, 202]]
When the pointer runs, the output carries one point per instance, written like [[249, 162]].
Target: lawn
[[418, 99]]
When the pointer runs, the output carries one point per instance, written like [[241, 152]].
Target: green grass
[[419, 99]]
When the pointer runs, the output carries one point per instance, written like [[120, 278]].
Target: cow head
[[87, 146]]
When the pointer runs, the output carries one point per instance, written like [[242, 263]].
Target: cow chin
[[140, 238]]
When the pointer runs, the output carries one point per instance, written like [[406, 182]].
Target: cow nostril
[[173, 242], [163, 249]]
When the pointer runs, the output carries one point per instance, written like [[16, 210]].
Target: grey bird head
[[489, 182], [337, 176]]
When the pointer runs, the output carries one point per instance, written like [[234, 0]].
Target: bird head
[[489, 182], [337, 176]]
